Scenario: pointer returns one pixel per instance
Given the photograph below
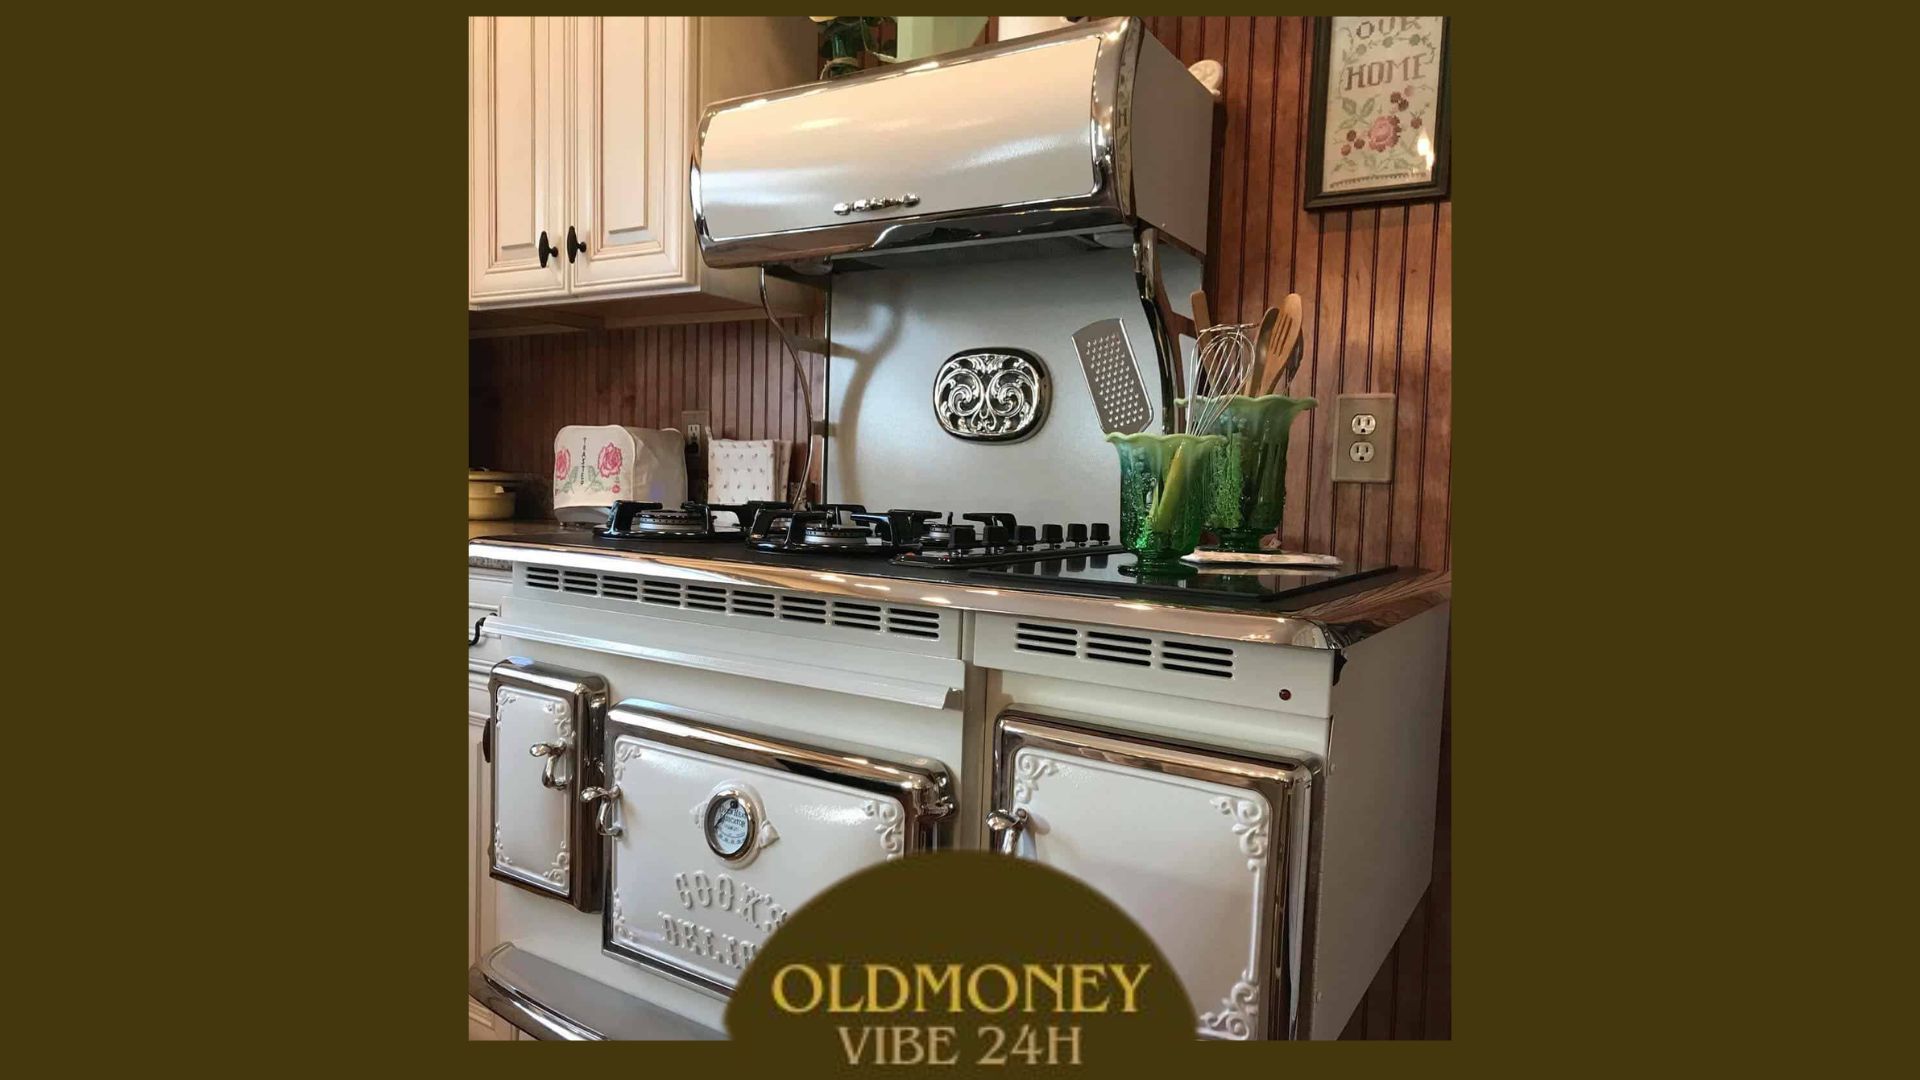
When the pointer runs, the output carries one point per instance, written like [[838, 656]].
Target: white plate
[[1206, 557]]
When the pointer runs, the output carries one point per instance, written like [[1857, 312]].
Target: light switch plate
[[1363, 438]]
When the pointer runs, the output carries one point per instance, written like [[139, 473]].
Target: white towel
[[739, 470]]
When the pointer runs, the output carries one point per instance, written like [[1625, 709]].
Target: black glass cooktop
[[1116, 574]]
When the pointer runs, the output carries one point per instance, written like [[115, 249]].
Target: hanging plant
[[849, 42]]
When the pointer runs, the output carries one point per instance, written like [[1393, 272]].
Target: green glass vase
[[1250, 473], [1166, 487]]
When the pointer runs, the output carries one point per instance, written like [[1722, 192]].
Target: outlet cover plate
[[1377, 469], [694, 423]]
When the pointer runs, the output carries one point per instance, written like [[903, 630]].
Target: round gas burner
[[670, 521], [838, 536]]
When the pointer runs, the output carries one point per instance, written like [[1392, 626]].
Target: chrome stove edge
[[1345, 622], [550, 1002]]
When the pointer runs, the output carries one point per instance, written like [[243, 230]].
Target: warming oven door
[[714, 835], [542, 734], [1205, 850]]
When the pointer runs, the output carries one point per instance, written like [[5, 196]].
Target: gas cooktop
[[923, 537], [982, 549]]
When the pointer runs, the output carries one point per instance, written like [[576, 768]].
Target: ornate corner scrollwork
[[1235, 1018], [991, 395], [892, 839], [1027, 771], [1249, 825]]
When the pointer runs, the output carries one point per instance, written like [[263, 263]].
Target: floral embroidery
[[561, 460], [610, 460]]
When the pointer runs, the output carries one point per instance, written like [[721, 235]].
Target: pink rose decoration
[[561, 459], [1382, 134], [610, 459]]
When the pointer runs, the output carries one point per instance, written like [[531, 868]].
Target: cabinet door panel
[[516, 144], [633, 85]]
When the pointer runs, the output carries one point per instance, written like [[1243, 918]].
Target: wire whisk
[[1221, 366]]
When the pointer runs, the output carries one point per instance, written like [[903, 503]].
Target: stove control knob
[[1023, 535], [1076, 533], [1050, 534], [962, 537], [1101, 534]]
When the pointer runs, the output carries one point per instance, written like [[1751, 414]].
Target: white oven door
[[1203, 849], [714, 835], [542, 733]]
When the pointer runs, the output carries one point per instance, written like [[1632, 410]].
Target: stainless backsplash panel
[[893, 328]]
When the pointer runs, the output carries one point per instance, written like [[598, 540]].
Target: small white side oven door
[[542, 732], [715, 835], [1199, 848]]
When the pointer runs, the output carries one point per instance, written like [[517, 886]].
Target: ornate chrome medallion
[[991, 395]]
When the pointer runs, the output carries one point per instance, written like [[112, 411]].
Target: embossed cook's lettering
[[707, 942], [722, 893]]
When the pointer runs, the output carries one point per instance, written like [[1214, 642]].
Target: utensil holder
[[1249, 482], [1166, 488]]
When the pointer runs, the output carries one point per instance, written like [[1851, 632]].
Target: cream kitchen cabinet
[[580, 133]]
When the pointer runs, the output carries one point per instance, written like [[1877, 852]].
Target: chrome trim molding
[[1288, 787], [586, 697], [548, 1001], [1328, 625], [1108, 205]]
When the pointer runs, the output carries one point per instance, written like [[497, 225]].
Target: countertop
[[1332, 618]]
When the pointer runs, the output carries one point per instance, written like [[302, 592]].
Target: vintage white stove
[[684, 741], [710, 717]]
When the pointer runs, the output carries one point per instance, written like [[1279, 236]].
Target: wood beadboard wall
[[1376, 280], [523, 390]]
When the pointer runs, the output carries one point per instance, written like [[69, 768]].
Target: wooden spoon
[[1282, 352]]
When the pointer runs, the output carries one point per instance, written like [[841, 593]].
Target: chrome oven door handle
[[603, 814], [555, 753], [1009, 826]]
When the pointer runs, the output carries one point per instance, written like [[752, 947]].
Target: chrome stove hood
[[1080, 138]]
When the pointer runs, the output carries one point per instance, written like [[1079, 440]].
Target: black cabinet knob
[[1101, 533], [546, 250], [1050, 534], [574, 246], [1076, 533]]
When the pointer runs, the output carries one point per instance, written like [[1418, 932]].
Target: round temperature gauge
[[730, 825]]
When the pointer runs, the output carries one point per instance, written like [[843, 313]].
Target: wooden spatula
[[1282, 355]]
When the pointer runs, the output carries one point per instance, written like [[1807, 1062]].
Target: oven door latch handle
[[603, 814], [1009, 826], [554, 752]]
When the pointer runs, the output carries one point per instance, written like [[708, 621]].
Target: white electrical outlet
[[1363, 438]]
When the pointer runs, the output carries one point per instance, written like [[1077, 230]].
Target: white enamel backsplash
[[676, 901], [1195, 887], [530, 819]]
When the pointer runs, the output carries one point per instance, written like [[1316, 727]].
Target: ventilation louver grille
[[1131, 649], [750, 603]]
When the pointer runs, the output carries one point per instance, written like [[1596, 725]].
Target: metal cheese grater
[[1113, 378]]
